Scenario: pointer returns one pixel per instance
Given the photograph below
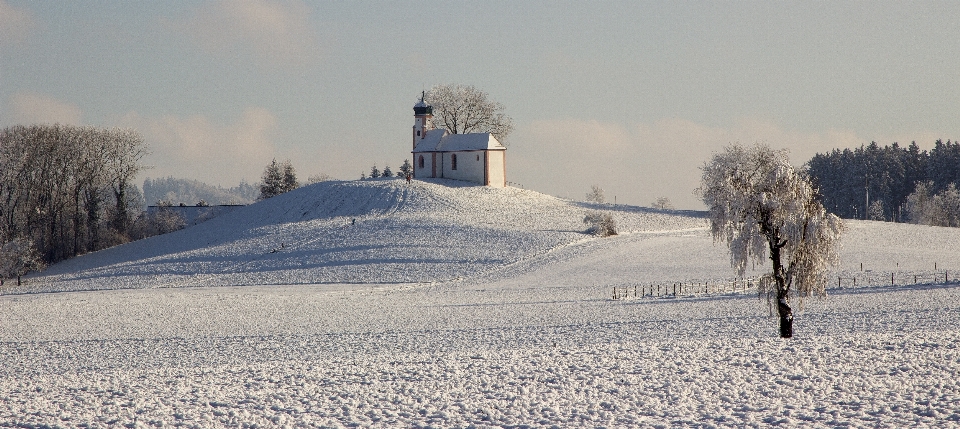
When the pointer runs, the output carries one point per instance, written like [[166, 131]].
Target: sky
[[630, 96]]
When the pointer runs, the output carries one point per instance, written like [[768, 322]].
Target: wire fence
[[840, 280]]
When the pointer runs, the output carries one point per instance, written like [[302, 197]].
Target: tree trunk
[[780, 276], [786, 318]]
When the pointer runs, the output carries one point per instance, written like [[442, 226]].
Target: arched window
[[453, 161], [420, 162]]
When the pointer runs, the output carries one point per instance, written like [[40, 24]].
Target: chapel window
[[453, 162], [420, 161]]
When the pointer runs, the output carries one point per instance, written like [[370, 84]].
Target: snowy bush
[[601, 224], [319, 177]]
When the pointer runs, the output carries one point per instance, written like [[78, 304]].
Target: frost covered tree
[[67, 189], [405, 169], [758, 204], [19, 257], [462, 109], [662, 203], [277, 179], [272, 184], [596, 195], [289, 177], [876, 211], [941, 209]]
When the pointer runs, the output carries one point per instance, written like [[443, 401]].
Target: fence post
[[891, 279]]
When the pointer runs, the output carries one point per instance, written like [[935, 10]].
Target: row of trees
[[873, 182], [66, 190], [405, 169]]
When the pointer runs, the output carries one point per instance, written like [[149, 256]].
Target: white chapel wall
[[497, 168]]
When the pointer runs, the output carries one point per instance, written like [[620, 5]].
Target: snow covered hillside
[[447, 306], [376, 231]]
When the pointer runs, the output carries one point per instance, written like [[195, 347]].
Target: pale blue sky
[[631, 96]]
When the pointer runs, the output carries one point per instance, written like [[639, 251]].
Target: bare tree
[[125, 150], [463, 109], [596, 195], [759, 203], [662, 203]]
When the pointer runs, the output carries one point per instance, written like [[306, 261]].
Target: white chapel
[[473, 157]]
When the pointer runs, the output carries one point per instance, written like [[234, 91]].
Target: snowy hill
[[376, 231], [391, 232]]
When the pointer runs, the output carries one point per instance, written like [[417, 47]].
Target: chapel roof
[[441, 140]]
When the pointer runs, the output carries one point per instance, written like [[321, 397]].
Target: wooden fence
[[844, 280], [685, 288]]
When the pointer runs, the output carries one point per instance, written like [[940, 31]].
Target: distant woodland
[[891, 183], [173, 191]]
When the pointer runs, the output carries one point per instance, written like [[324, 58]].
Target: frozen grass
[[498, 319]]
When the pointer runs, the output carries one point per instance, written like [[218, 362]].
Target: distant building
[[474, 157]]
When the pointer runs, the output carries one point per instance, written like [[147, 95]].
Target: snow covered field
[[381, 304]]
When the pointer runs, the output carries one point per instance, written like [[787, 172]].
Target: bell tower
[[422, 119]]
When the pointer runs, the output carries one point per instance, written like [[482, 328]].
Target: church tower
[[423, 119]]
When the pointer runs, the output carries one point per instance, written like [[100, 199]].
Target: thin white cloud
[[275, 32], [29, 108], [197, 148], [15, 24], [641, 162]]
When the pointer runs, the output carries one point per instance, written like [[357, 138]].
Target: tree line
[[174, 191], [65, 190], [881, 183]]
